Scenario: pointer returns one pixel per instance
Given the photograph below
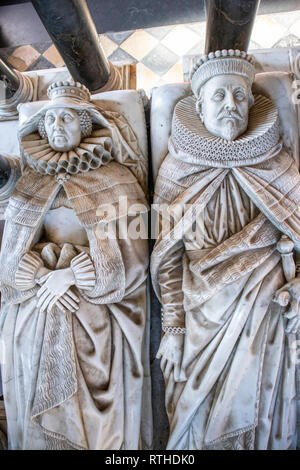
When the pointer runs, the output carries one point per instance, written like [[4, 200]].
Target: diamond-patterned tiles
[[198, 27], [119, 56], [5, 52], [160, 59], [119, 38], [175, 74], [198, 48], [108, 45], [41, 64], [287, 19], [53, 56], [145, 78], [23, 57], [159, 32], [162, 53], [266, 31], [42, 47], [139, 44], [180, 40]]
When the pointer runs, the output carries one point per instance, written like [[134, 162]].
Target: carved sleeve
[[120, 263], [27, 270], [84, 271], [170, 281]]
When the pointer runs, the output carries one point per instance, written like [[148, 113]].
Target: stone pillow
[[127, 102]]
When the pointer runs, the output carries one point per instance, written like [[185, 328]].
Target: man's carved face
[[62, 126], [224, 103]]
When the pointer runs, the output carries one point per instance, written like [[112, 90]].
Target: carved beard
[[231, 130], [233, 124]]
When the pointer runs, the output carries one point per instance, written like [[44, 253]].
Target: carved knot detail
[[62, 178]]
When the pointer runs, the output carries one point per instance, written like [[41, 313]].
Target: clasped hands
[[55, 291], [290, 294]]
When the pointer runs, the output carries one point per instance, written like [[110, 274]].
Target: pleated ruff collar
[[190, 140], [92, 152]]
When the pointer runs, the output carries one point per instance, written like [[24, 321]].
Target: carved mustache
[[230, 114]]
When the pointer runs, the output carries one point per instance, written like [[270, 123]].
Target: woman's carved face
[[63, 129]]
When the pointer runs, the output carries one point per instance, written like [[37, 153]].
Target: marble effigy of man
[[228, 351], [73, 300]]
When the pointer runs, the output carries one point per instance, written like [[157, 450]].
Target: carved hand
[[69, 301], [56, 290], [170, 352], [293, 313]]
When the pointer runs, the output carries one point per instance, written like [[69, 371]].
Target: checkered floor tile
[[158, 52]]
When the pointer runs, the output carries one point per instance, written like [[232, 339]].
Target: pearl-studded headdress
[[68, 89], [219, 63]]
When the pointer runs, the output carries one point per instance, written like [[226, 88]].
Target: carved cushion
[[275, 85], [127, 102]]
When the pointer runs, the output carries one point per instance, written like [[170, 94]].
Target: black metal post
[[10, 75], [73, 32], [5, 171], [229, 24]]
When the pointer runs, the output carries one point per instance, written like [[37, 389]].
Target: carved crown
[[68, 89]]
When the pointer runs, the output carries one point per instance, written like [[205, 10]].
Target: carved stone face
[[224, 103], [62, 126]]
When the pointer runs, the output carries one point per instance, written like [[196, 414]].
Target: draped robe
[[240, 390], [76, 381]]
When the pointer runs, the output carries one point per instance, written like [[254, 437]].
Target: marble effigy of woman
[[73, 301]]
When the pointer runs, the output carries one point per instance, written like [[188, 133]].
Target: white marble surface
[[127, 102], [275, 85], [9, 141], [99, 282], [163, 102], [228, 355], [46, 77]]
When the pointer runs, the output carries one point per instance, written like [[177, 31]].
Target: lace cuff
[[172, 330], [28, 267], [84, 271]]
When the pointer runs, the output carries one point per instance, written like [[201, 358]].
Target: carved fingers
[[169, 366], [48, 299], [293, 326], [69, 301], [289, 294], [170, 353], [44, 298], [179, 374], [293, 317]]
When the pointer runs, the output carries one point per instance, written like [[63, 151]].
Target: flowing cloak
[[76, 380], [240, 389]]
